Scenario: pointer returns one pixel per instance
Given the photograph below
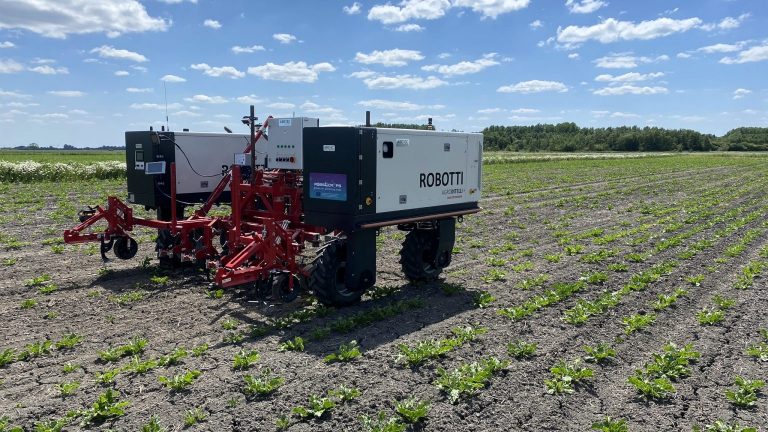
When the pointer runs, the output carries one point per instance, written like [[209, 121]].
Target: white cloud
[[630, 89], [218, 71], [613, 30], [284, 38], [154, 106], [172, 79], [536, 24], [185, 113], [727, 23], [619, 114], [249, 100], [525, 111], [19, 104], [59, 18], [211, 23], [206, 99], [754, 54], [247, 50], [464, 67], [328, 113], [78, 112], [382, 104], [354, 9], [584, 6], [489, 110], [379, 81], [408, 10], [740, 93], [409, 28], [683, 55], [122, 73], [49, 70], [291, 71], [106, 51], [7, 44], [362, 74], [393, 57], [626, 61], [281, 105], [573, 56], [139, 90], [51, 116], [628, 77], [12, 94], [492, 8], [141, 69], [443, 56], [67, 93], [10, 66], [721, 48], [534, 86]]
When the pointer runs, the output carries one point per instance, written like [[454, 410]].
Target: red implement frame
[[264, 232]]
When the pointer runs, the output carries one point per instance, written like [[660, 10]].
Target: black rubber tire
[[327, 280], [125, 248], [280, 288], [417, 256]]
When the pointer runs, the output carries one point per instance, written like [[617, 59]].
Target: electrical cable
[[186, 157]]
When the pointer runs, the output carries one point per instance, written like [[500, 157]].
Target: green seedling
[[107, 406], [382, 423], [67, 388], [468, 378], [108, 376], [244, 359], [709, 316], [652, 388], [412, 410], [263, 385], [199, 350], [297, 344], [565, 375], [28, 304], [316, 407], [69, 341], [180, 382], [344, 393], [173, 358], [483, 299], [194, 416], [153, 425], [746, 394], [7, 356], [723, 426], [347, 352], [601, 354], [610, 425], [230, 324], [637, 322], [521, 349]]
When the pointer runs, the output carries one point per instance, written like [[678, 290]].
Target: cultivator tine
[[105, 247]]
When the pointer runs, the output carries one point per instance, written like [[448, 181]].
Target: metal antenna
[[165, 92]]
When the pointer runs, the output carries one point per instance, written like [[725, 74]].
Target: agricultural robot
[[296, 188]]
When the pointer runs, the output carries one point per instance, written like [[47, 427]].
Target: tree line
[[568, 137]]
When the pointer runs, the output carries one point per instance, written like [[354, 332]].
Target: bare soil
[[518, 228]]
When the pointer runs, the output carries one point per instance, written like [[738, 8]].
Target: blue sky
[[82, 72]]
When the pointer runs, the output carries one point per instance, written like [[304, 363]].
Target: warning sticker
[[328, 186], [284, 122]]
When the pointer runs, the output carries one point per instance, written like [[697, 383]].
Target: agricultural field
[[624, 294]]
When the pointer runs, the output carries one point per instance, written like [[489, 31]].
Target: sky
[[82, 72]]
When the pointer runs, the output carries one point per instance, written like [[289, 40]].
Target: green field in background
[[64, 156]]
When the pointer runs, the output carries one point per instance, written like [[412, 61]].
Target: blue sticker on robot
[[328, 186]]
